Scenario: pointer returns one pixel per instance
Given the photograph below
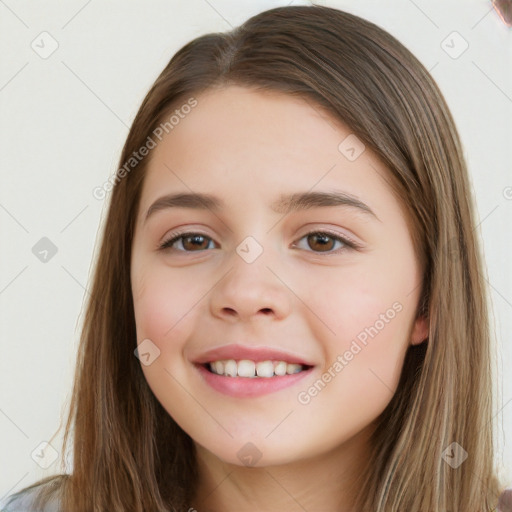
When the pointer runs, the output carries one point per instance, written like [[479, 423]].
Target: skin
[[248, 147]]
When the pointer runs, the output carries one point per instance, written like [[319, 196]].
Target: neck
[[325, 482]]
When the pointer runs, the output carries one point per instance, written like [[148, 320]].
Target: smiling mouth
[[250, 369]]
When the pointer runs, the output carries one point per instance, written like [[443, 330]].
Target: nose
[[250, 290]]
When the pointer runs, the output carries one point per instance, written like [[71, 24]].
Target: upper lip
[[256, 354]]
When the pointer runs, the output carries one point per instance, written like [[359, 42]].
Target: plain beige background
[[72, 77]]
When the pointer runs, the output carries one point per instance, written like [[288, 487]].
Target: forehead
[[239, 142]]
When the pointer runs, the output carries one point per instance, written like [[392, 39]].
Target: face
[[334, 285]]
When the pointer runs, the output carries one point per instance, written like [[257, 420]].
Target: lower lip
[[243, 387]]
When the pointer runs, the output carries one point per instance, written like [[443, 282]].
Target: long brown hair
[[129, 454]]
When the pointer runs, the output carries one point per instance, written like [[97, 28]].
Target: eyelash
[[348, 243]]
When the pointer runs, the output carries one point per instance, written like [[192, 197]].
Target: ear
[[420, 330]]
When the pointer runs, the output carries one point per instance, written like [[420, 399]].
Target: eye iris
[[324, 241], [195, 238]]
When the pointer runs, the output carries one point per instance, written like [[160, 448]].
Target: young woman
[[288, 310]]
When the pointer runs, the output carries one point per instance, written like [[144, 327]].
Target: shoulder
[[24, 501], [505, 501]]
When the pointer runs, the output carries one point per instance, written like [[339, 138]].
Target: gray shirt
[[24, 502]]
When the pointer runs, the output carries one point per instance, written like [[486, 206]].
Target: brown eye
[[325, 242], [190, 242], [320, 241], [194, 242], [317, 241]]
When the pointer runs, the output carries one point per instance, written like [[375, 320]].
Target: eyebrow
[[285, 203]]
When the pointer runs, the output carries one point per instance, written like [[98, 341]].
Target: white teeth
[[250, 369], [218, 367], [230, 368], [293, 368], [280, 368], [246, 368], [265, 369]]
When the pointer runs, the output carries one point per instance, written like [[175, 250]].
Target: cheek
[[356, 300], [165, 310], [368, 316], [163, 305], [363, 358]]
